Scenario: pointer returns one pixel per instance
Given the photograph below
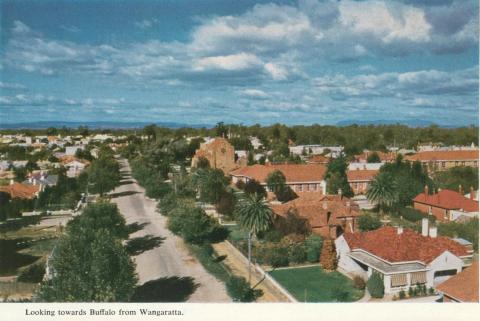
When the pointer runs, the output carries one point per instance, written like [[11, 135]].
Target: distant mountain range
[[132, 125], [411, 122], [95, 125]]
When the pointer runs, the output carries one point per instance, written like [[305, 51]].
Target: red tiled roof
[[448, 199], [314, 208], [319, 159], [292, 172], [450, 155], [387, 244], [18, 190], [463, 286], [361, 175]]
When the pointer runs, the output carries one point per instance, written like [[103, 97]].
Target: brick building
[[327, 215], [219, 153], [299, 177], [360, 179], [443, 160], [446, 204]]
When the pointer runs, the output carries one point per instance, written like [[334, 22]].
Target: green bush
[[369, 222], [375, 285], [278, 257], [402, 294], [411, 214], [273, 236], [33, 273], [411, 293], [240, 291], [297, 253], [313, 244]]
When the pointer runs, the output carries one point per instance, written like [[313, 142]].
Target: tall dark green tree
[[336, 177]]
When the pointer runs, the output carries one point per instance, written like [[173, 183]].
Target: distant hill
[[95, 125], [411, 123]]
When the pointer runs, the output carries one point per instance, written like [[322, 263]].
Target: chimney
[[365, 167], [425, 190], [460, 189], [472, 193], [424, 226], [439, 190], [433, 231], [34, 181], [340, 191], [11, 182], [399, 230]]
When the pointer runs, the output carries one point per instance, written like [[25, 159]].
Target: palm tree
[[382, 191], [255, 215]]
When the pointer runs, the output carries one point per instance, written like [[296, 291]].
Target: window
[[443, 164], [456, 163], [299, 187], [398, 280], [463, 163], [418, 277]]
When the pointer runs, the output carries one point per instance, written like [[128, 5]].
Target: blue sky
[[200, 62]]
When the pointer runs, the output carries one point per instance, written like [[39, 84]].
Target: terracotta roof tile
[[18, 190], [387, 244], [384, 157], [292, 172], [450, 155], [361, 175], [315, 207], [463, 286], [448, 199]]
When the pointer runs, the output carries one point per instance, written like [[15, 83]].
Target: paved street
[[171, 258]]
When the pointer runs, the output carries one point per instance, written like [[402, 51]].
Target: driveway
[[171, 258]]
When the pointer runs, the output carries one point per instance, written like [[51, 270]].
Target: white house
[[334, 151], [403, 257], [74, 168], [72, 150]]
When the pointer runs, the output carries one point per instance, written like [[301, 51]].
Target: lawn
[[312, 284]]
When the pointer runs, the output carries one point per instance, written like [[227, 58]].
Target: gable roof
[[447, 155], [318, 159], [463, 286], [448, 199], [315, 208], [387, 244], [293, 172], [361, 175], [18, 190]]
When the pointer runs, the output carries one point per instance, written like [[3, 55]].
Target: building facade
[[219, 153]]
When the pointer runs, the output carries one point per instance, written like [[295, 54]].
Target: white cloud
[[255, 93], [145, 24], [234, 62], [277, 72]]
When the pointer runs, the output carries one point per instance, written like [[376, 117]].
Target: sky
[[201, 62]]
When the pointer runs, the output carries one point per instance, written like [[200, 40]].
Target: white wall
[[344, 261], [446, 261]]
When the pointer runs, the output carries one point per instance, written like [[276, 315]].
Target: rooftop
[[18, 190], [444, 155], [463, 286], [361, 175], [408, 246], [448, 199], [386, 268], [294, 173]]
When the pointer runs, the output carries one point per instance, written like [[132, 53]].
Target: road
[[171, 258]]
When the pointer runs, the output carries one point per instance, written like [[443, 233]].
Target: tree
[[328, 256], [292, 224], [20, 173], [203, 163], [90, 268], [226, 204], [336, 177], [150, 131], [221, 130], [254, 187], [373, 158], [368, 222], [276, 183], [256, 216], [375, 285], [240, 291], [103, 175], [211, 183], [4, 205], [381, 191], [457, 176]]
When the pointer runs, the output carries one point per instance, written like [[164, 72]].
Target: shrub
[[314, 246], [252, 187], [277, 257], [410, 292], [272, 236], [297, 253], [369, 222], [411, 214], [240, 291], [359, 282], [402, 295], [431, 291], [375, 285], [32, 274], [240, 184]]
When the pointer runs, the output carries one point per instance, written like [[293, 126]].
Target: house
[[446, 205], [41, 178], [19, 190], [72, 150], [75, 167], [219, 153], [443, 160], [388, 157], [318, 159], [462, 287], [256, 143], [401, 256], [299, 177], [334, 151], [360, 179], [327, 215]]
